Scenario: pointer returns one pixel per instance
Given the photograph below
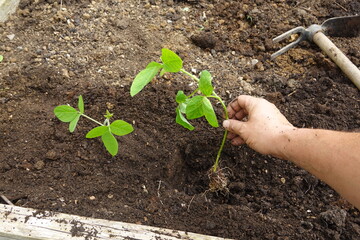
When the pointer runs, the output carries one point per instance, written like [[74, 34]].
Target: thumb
[[233, 126]]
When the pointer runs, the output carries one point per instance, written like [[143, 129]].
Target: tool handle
[[338, 57]]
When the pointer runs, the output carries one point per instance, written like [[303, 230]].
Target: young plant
[[194, 105], [1, 58], [106, 130]]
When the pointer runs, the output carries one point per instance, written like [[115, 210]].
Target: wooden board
[[27, 224], [7, 7]]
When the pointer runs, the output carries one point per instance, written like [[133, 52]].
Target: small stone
[[292, 83], [10, 36], [39, 165], [122, 24], [283, 180], [65, 73], [335, 216], [254, 62], [51, 154], [259, 66], [86, 16], [92, 198]]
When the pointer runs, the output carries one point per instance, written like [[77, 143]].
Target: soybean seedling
[[194, 105], [106, 130], [1, 58]]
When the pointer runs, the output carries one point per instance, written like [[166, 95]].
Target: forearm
[[332, 156]]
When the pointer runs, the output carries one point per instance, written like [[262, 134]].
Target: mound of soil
[[53, 53]]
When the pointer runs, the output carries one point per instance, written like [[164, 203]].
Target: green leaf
[[81, 104], [171, 61], [162, 72], [121, 128], [180, 119], [209, 112], [1, 58], [144, 77], [108, 114], [182, 107], [194, 107], [205, 84], [74, 122], [97, 132], [110, 143], [65, 113], [180, 97]]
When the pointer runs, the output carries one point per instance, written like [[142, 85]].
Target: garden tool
[[348, 26]]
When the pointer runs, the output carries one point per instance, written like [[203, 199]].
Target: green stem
[[193, 93], [190, 75], [92, 119], [216, 164]]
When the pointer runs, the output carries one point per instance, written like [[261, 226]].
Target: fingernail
[[226, 123]]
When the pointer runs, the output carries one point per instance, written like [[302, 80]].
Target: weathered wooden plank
[[26, 223], [7, 7]]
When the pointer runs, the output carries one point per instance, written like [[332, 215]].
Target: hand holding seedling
[[263, 125], [194, 105], [106, 130], [332, 156]]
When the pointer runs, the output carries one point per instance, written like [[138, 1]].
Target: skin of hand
[[332, 156], [256, 122]]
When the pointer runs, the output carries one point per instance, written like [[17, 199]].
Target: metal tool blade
[[348, 26]]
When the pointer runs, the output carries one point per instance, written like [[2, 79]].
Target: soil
[[53, 53]]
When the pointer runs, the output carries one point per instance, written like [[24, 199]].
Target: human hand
[[257, 123]]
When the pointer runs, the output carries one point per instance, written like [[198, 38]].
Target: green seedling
[[106, 130], [194, 105], [1, 58]]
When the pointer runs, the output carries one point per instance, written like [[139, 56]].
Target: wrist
[[283, 141]]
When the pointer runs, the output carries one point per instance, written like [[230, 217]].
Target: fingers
[[241, 106], [237, 141], [233, 126], [231, 135]]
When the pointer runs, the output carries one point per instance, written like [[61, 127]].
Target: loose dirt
[[53, 53]]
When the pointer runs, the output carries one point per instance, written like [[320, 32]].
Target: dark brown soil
[[160, 176]]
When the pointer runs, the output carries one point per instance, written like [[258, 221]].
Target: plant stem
[[92, 119], [216, 164], [189, 74]]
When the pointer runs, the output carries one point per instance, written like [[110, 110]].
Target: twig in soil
[[188, 208], [158, 192], [343, 8], [158, 189], [291, 93], [6, 200]]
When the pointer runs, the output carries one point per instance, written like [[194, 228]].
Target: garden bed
[[54, 53]]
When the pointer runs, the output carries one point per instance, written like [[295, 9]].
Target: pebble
[[10, 36], [39, 165], [122, 24], [51, 154], [86, 16], [65, 73], [259, 66], [335, 216]]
